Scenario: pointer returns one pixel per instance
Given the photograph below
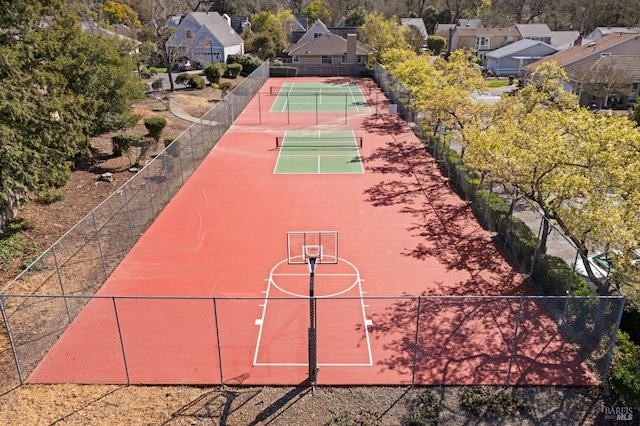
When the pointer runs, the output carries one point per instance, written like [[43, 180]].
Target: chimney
[[578, 41], [351, 48]]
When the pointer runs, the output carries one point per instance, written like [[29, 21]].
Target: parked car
[[601, 266], [188, 65]]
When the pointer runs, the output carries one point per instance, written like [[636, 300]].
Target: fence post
[[14, 350], [124, 354], [607, 364], [566, 306], [153, 210], [215, 317], [535, 255], [55, 259], [515, 340], [95, 225], [126, 203], [415, 346]]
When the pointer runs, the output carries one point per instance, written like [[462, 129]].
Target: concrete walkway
[[177, 110]]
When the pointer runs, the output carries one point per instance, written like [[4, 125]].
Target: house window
[[295, 59], [359, 59], [483, 42], [327, 60], [343, 59], [189, 34], [316, 35], [507, 39]]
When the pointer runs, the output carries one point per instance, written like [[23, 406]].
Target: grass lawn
[[498, 83]]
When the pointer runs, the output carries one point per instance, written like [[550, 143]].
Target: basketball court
[[296, 246]]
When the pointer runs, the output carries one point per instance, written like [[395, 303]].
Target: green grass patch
[[497, 83]]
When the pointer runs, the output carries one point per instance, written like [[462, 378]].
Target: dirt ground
[[221, 405]]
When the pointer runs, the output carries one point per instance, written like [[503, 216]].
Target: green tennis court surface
[[319, 97], [318, 151]]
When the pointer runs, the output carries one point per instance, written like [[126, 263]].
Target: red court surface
[[402, 231]]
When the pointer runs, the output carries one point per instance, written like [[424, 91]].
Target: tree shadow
[[443, 223]]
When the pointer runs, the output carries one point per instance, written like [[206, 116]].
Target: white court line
[[353, 99], [365, 321], [279, 152]]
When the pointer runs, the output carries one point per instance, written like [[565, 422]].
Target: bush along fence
[[549, 273], [82, 259]]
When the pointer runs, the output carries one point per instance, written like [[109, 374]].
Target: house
[[204, 37], [418, 24], [600, 32], [618, 51], [322, 52], [539, 32], [510, 59], [93, 28], [445, 30], [562, 40], [482, 40]]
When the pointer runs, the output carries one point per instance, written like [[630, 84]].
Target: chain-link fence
[[50, 312], [517, 340], [82, 259]]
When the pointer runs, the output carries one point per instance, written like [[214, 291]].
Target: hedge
[[249, 63], [283, 71]]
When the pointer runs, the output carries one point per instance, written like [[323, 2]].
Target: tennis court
[[318, 97], [318, 151], [402, 231]]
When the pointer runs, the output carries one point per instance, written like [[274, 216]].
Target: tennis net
[[338, 91], [323, 142]]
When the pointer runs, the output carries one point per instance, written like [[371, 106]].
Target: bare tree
[[606, 79]]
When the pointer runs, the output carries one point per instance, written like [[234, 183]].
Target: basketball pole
[[313, 366]]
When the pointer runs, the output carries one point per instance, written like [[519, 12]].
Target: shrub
[[147, 72], [631, 320], [191, 80], [214, 72], [424, 409], [554, 276], [154, 126], [123, 142], [116, 121], [249, 63], [233, 70], [158, 84], [494, 403], [50, 195], [225, 88], [169, 140], [625, 373]]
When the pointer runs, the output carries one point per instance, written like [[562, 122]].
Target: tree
[[355, 17], [273, 24], [382, 34], [436, 44], [263, 46], [118, 13], [574, 168], [317, 9], [604, 80], [58, 86]]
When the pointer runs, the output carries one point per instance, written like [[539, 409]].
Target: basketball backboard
[[303, 245]]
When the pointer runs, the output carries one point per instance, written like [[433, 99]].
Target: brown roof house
[[319, 52], [605, 71]]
